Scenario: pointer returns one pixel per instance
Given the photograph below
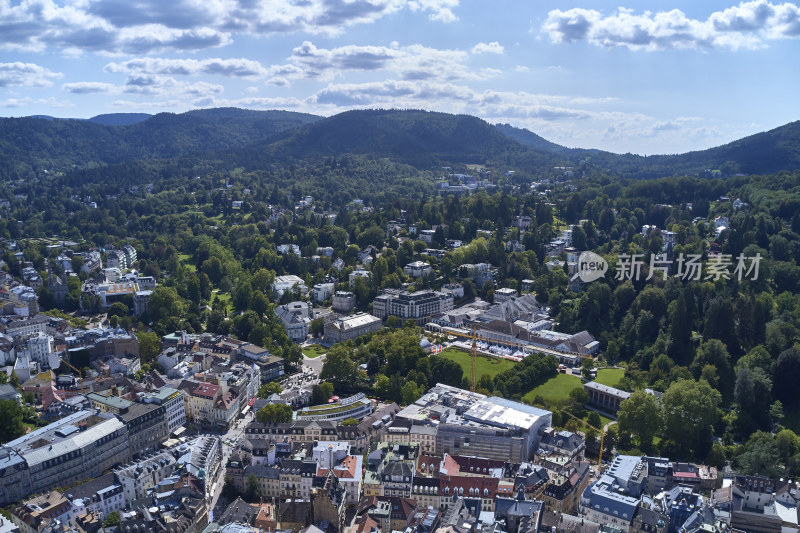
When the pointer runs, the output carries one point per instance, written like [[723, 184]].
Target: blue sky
[[631, 76]]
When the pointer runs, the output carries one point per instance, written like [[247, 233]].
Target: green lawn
[[186, 260], [225, 298], [610, 376], [313, 351], [555, 389], [484, 365]]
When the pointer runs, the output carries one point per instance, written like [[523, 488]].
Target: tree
[[112, 519], [349, 422], [640, 415], [787, 376], [713, 352], [274, 413], [338, 368], [149, 345], [165, 303], [273, 387], [587, 365], [252, 490], [118, 309], [412, 392], [445, 371], [321, 393], [753, 394], [679, 347], [760, 456], [317, 326], [11, 425], [690, 410]]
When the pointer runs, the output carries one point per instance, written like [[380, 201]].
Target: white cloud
[[241, 67], [20, 74], [90, 87], [26, 101], [522, 68], [488, 48], [414, 62], [144, 26], [747, 25]]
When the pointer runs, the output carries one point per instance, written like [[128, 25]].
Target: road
[[230, 440]]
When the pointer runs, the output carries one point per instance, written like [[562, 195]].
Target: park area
[[314, 350], [485, 365]]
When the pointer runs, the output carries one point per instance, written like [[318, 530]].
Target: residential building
[[173, 403], [296, 318], [270, 366], [322, 291], [343, 301], [417, 269], [147, 427]]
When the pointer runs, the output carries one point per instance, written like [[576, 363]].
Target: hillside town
[[211, 433]]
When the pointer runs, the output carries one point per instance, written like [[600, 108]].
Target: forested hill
[[419, 138], [120, 119], [30, 145], [262, 139], [763, 153]]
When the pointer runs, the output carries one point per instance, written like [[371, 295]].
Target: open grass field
[[610, 376], [485, 365], [314, 351], [555, 389], [225, 298], [186, 260]]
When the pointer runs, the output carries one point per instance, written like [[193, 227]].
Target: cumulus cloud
[[240, 67], [413, 62], [90, 87], [22, 102], [20, 74], [748, 25], [144, 26], [488, 48]]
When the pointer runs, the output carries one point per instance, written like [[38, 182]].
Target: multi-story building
[[472, 424], [173, 403], [147, 427], [417, 269], [420, 306], [102, 495], [77, 447], [356, 406], [350, 327], [343, 301], [270, 366], [296, 318], [288, 283], [322, 291]]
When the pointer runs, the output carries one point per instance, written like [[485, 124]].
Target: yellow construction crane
[[585, 423], [474, 351], [72, 367]]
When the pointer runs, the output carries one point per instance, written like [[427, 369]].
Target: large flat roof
[[500, 412]]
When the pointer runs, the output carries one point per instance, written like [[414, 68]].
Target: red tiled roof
[[346, 469], [206, 390], [466, 483]]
